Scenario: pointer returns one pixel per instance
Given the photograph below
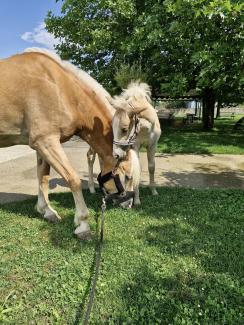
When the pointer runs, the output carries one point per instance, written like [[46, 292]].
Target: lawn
[[190, 138], [177, 259]]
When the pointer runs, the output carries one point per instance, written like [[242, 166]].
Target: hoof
[[137, 202], [48, 214], [92, 190], [86, 236], [83, 231], [52, 217], [154, 192]]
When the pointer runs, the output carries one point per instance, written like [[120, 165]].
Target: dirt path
[[18, 171]]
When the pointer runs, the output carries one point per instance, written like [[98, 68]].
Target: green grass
[[191, 139], [177, 259]]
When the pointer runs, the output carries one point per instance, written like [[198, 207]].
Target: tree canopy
[[178, 44]]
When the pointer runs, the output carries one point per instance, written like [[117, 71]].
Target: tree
[[208, 34], [179, 44], [126, 73]]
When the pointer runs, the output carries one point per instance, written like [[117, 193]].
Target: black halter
[[121, 195], [102, 179]]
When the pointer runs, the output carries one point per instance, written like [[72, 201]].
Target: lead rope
[[97, 265]]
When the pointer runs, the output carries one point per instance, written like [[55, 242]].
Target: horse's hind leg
[[151, 150], [43, 205], [91, 155], [51, 150]]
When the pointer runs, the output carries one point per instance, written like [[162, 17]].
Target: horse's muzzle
[[121, 197]]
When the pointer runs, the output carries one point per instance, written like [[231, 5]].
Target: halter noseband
[[102, 179], [132, 137], [121, 195]]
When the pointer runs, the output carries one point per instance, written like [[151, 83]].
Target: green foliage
[[181, 44], [177, 259], [93, 34], [127, 73], [176, 87], [207, 46]]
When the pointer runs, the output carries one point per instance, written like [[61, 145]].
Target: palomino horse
[[135, 123], [44, 101]]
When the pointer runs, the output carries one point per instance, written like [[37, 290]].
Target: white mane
[[136, 89], [80, 74]]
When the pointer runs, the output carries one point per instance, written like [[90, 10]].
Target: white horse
[[135, 123]]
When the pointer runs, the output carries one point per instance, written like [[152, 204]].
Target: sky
[[22, 25]]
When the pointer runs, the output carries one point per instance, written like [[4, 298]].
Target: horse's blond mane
[[137, 88], [79, 73]]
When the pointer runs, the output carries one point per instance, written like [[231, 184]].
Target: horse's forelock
[[137, 89]]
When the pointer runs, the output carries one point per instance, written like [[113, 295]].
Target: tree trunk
[[218, 109], [208, 103]]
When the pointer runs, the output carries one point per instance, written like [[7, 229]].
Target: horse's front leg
[[91, 155], [43, 205], [50, 149], [151, 150], [137, 200]]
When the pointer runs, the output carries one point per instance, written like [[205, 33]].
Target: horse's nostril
[[116, 156]]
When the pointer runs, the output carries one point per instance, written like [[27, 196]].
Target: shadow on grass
[[61, 233], [200, 226], [61, 237], [204, 224], [178, 298]]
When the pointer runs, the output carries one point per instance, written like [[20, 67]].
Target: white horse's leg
[[43, 206], [51, 150], [151, 150], [91, 155], [137, 200]]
